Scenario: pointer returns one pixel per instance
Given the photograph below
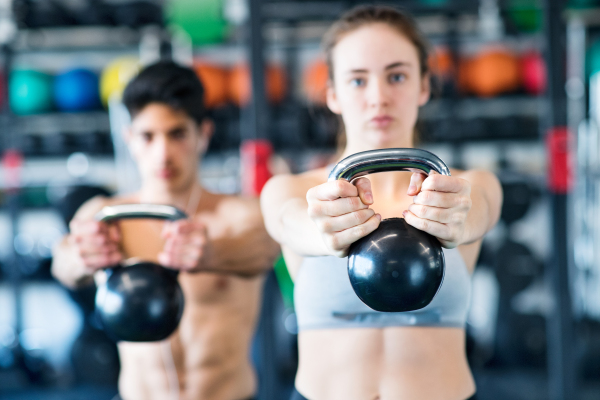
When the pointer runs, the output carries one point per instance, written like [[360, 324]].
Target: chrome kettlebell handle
[[382, 160], [131, 211]]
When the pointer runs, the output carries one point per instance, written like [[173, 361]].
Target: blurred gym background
[[516, 91]]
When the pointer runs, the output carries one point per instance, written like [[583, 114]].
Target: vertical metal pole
[[257, 128], [252, 129], [560, 333]]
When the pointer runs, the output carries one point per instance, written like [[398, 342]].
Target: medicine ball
[[534, 73], [202, 20], [76, 90], [30, 92], [490, 73], [214, 80], [240, 90], [315, 81], [115, 77]]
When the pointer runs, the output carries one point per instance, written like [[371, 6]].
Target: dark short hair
[[168, 83]]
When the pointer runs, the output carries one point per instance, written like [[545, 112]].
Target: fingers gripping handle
[[129, 211], [368, 162]]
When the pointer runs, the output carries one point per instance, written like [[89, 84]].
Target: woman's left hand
[[440, 206]]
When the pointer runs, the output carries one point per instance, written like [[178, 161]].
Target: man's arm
[[235, 241], [89, 246]]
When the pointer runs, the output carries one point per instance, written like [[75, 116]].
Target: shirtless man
[[221, 251]]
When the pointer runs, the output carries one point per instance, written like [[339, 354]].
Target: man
[[221, 251]]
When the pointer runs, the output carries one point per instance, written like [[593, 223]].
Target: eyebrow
[[390, 66]]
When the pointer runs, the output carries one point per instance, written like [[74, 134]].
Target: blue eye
[[394, 78], [357, 82]]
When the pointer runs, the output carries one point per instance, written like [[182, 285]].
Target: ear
[[205, 130], [425, 89], [332, 100]]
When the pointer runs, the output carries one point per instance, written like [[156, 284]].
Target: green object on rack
[[30, 92], [286, 284], [593, 58], [433, 3], [525, 14], [583, 3], [202, 20]]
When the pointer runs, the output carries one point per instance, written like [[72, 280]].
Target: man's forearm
[[246, 255], [67, 266]]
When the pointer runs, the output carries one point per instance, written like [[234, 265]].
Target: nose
[[378, 93], [163, 148]]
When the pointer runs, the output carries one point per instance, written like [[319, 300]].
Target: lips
[[166, 173], [382, 121]]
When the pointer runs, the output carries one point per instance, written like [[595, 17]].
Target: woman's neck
[[389, 184]]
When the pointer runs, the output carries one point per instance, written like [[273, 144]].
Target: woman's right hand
[[96, 243], [340, 210]]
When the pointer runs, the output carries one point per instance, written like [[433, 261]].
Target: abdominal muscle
[[207, 357], [384, 364]]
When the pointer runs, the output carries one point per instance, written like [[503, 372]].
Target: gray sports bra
[[324, 299]]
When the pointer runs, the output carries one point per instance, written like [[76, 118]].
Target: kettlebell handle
[[382, 160], [130, 211]]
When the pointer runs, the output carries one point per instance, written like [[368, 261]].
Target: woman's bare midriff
[[408, 363]]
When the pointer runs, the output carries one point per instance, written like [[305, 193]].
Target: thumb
[[416, 181]]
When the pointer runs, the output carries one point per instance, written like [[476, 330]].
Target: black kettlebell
[[142, 302], [396, 267]]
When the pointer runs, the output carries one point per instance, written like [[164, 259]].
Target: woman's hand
[[340, 210], [440, 207]]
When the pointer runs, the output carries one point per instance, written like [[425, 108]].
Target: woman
[[378, 80]]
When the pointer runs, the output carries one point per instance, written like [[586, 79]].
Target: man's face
[[166, 145]]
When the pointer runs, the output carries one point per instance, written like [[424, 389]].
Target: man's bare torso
[[207, 357]]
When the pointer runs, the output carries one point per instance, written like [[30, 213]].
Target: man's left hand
[[186, 245]]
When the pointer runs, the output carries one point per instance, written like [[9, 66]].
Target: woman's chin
[[385, 140]]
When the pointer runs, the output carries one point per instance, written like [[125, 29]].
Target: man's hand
[[186, 247], [341, 212], [440, 206], [97, 243]]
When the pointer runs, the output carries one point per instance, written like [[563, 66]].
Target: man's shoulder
[[234, 207]]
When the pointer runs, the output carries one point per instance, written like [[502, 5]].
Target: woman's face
[[377, 87]]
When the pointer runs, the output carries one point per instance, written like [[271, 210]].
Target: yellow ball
[[115, 77]]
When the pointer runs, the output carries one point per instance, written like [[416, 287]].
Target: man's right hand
[[97, 243], [340, 210]]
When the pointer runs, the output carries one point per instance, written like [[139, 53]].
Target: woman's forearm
[[298, 232], [486, 197]]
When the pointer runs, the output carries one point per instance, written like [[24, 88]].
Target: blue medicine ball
[[76, 90]]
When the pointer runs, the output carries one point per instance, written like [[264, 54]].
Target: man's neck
[[181, 199]]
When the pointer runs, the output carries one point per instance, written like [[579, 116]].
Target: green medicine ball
[[30, 92], [202, 20]]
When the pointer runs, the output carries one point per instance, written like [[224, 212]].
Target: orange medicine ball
[[490, 73], [240, 89], [315, 79], [441, 63], [214, 80]]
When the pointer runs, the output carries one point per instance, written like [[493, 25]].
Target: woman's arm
[[458, 209], [313, 219]]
